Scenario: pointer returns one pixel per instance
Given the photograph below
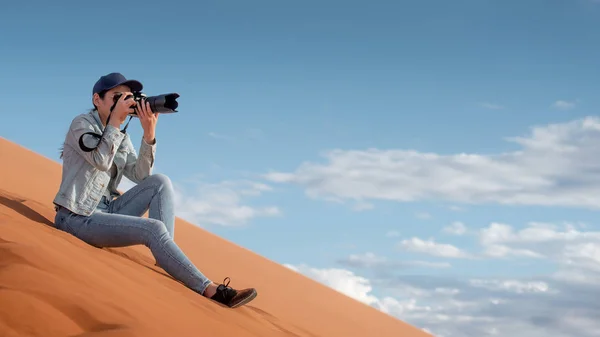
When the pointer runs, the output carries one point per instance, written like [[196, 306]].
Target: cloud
[[370, 260], [219, 203], [356, 287], [515, 286], [559, 304], [556, 165], [565, 245], [565, 304], [501, 251], [565, 105], [457, 306], [430, 247], [456, 228], [342, 280], [576, 252]]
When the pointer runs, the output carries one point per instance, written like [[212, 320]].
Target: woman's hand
[[121, 110], [148, 120]]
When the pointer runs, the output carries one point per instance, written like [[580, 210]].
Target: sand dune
[[52, 284]]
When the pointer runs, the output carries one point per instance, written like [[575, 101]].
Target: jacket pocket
[[90, 195]]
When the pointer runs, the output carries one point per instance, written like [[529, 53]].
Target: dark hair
[[101, 94], [62, 147]]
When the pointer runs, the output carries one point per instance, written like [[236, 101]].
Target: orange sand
[[52, 284]]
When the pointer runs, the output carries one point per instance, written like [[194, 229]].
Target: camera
[[164, 103]]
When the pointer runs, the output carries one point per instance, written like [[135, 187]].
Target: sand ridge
[[52, 284]]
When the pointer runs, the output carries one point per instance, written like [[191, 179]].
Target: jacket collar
[[96, 116]]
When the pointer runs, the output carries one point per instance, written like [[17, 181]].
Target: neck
[[103, 118]]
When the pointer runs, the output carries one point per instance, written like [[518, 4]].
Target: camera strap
[[99, 136]]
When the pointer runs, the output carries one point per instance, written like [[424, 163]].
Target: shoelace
[[225, 289]]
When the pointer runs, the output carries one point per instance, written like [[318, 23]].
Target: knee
[[157, 229], [161, 181]]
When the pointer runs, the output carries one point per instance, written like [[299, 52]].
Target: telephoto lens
[[164, 103]]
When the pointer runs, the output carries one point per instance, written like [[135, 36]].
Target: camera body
[[164, 103]]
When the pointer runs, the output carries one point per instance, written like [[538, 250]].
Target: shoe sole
[[246, 299]]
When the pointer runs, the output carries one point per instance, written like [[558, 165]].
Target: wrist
[[115, 122], [149, 138]]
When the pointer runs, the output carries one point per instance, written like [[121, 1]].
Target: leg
[[117, 230], [155, 193]]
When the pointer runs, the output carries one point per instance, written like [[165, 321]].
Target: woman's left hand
[[148, 120]]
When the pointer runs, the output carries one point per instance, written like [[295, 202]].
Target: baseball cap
[[112, 80]]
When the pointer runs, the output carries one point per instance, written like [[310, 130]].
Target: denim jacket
[[87, 176]]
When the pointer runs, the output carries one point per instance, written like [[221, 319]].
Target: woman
[[90, 207]]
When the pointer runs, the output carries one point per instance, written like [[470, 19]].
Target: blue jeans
[[119, 223]]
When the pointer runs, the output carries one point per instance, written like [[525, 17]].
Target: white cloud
[[433, 248], [559, 304], [566, 245], [221, 203], [557, 165], [516, 286], [456, 307], [534, 232], [372, 261], [217, 203], [342, 280], [367, 260], [360, 289], [564, 105], [456, 228], [575, 253], [501, 251]]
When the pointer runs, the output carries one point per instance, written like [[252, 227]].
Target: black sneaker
[[231, 297]]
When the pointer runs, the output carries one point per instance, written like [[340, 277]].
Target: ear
[[96, 99]]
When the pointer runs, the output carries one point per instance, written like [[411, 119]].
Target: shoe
[[231, 297]]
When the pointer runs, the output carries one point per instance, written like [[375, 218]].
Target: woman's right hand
[[122, 109]]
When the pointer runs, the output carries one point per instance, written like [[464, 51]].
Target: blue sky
[[328, 135]]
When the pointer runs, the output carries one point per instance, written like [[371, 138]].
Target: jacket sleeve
[[138, 167], [102, 156]]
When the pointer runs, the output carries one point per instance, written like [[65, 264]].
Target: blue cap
[[112, 80]]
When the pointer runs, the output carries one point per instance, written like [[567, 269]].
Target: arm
[[102, 156], [137, 168]]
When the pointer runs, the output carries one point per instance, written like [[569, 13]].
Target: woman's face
[[104, 104]]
